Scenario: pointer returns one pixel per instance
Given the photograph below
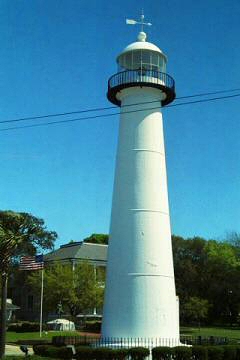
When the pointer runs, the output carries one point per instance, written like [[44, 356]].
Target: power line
[[117, 113], [38, 117]]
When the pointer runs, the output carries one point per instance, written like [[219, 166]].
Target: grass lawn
[[212, 331], [204, 331], [14, 336]]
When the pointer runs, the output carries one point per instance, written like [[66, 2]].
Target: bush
[[83, 353], [182, 353], [162, 353], [238, 352], [215, 352], [93, 326], [40, 349], [25, 326], [110, 354], [57, 352], [230, 352], [14, 327], [199, 353], [73, 340], [138, 353]]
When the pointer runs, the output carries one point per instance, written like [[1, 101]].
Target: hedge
[[182, 353], [199, 352], [230, 352], [162, 353], [57, 352], [93, 326], [138, 353], [215, 352], [25, 326], [83, 353]]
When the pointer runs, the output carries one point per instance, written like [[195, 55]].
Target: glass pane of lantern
[[128, 61], [136, 59], [146, 57], [162, 64], [122, 62], [155, 59]]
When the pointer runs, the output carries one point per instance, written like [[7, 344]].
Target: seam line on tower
[[149, 150], [149, 210], [149, 274]]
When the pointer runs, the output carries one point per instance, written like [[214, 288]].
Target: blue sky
[[57, 56]]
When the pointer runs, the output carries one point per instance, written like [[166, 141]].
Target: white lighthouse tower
[[140, 297]]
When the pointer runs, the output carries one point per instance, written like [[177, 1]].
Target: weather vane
[[141, 22]]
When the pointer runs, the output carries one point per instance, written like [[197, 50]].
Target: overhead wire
[[38, 117], [117, 113]]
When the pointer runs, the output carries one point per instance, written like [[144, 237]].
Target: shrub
[[102, 353], [93, 326], [83, 353], [73, 340], [182, 353], [215, 352], [162, 353], [199, 353], [120, 354], [25, 326], [230, 352], [14, 327], [138, 353], [238, 352], [40, 349], [57, 352]]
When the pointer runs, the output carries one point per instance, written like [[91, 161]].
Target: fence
[[127, 343]]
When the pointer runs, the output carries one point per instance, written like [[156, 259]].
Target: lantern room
[[142, 55], [141, 64]]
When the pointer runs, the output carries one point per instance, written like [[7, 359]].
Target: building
[[73, 253]]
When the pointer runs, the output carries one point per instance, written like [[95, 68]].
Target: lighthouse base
[[127, 343]]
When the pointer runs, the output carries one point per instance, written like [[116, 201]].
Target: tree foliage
[[97, 239], [195, 310], [208, 270], [30, 231], [20, 233], [77, 289]]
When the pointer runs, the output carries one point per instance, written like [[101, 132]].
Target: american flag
[[31, 262]]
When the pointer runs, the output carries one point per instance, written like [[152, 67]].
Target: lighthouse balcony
[[142, 77]]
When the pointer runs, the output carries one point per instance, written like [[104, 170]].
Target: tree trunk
[[3, 319]]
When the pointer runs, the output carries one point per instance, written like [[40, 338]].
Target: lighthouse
[[140, 296]]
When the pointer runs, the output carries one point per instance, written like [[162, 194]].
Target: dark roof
[[79, 251]]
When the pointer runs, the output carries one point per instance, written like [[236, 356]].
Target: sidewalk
[[15, 350]]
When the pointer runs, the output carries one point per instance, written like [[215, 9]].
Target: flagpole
[[41, 306]]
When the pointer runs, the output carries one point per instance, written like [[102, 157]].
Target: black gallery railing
[[141, 76]]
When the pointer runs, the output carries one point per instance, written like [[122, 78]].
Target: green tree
[[20, 233], [77, 289], [97, 239], [195, 310], [222, 272], [189, 264], [209, 270]]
